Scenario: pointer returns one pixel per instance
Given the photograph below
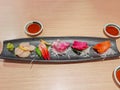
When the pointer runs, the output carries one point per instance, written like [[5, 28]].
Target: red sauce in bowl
[[112, 30], [118, 75], [34, 28]]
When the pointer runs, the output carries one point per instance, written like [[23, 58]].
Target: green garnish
[[38, 52], [10, 46]]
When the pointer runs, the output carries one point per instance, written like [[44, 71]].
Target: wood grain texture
[[60, 18]]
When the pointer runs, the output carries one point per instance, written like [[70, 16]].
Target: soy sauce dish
[[33, 28], [116, 75], [112, 30]]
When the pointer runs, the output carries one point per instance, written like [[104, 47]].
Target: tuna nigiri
[[102, 46]]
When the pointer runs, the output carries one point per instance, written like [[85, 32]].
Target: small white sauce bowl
[[114, 74], [32, 22], [112, 25]]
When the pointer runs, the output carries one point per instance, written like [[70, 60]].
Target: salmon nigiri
[[102, 46]]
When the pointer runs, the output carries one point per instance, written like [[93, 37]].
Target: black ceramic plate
[[69, 57]]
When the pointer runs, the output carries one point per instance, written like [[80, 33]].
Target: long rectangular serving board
[[70, 55]]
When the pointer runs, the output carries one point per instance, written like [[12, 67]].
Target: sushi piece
[[77, 45], [60, 46], [24, 49], [19, 52], [102, 47]]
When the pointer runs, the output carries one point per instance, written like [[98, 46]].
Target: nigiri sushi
[[102, 46]]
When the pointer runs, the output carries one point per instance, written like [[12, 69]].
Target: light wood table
[[60, 18]]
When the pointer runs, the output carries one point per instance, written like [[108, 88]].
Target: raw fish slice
[[31, 47], [26, 46], [18, 51], [60, 46], [79, 45], [24, 54], [102, 47]]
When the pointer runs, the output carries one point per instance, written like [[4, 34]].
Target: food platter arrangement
[[60, 49]]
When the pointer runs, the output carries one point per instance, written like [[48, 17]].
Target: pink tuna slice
[[60, 46], [79, 45]]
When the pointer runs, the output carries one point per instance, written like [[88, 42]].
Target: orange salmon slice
[[102, 46]]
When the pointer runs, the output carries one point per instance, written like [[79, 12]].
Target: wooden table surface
[[60, 18]]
